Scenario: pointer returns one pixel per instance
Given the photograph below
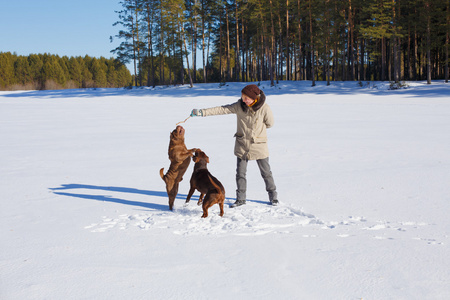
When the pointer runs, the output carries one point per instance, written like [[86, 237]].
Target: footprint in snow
[[255, 219]]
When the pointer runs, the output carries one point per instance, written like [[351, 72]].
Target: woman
[[254, 116]]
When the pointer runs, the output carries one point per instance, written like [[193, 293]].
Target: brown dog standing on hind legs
[[209, 187], [179, 157]]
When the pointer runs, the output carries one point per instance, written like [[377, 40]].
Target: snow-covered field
[[363, 177]]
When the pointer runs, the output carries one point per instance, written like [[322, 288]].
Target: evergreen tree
[[52, 73], [130, 49], [76, 72], [35, 62], [98, 72], [378, 27], [6, 70], [22, 73], [150, 16]]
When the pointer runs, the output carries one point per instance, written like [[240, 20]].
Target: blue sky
[[62, 27]]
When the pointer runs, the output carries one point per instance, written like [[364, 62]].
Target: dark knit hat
[[252, 91]]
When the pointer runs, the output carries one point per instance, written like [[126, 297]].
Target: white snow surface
[[362, 173]]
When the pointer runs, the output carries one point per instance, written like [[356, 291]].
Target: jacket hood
[[257, 105]]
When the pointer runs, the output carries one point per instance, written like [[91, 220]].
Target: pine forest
[[253, 40], [51, 72], [168, 42]]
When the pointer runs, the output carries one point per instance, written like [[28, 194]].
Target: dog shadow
[[67, 190]]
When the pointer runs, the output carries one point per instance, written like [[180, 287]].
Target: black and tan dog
[[211, 190], [179, 157]]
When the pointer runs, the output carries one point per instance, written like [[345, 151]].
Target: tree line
[[250, 40], [46, 71]]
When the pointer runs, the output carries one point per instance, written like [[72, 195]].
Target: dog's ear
[[207, 159]]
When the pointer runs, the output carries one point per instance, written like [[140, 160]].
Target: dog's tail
[[218, 188], [161, 173]]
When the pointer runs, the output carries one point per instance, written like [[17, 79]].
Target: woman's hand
[[196, 113]]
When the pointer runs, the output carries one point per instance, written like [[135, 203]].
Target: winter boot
[[237, 203]]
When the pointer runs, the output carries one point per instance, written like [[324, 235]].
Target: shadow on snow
[[437, 89], [106, 198]]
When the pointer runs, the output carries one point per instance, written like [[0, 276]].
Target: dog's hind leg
[[207, 203], [221, 208], [172, 195]]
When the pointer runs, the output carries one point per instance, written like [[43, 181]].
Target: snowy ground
[[362, 174]]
